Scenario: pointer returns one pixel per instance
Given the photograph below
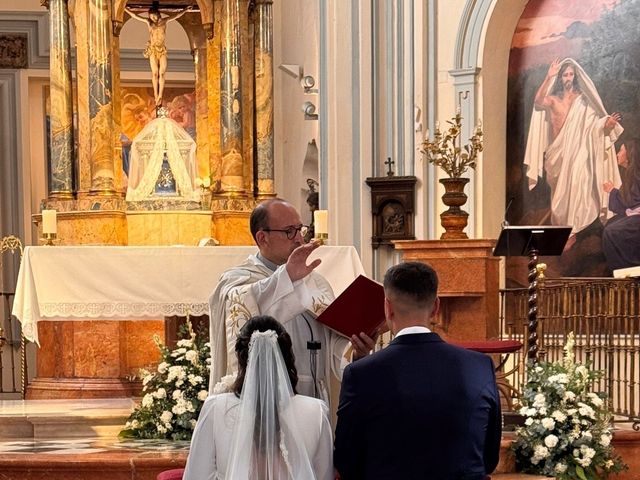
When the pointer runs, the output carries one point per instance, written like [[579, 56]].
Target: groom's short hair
[[414, 284]]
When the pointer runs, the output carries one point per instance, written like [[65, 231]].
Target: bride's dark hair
[[262, 323]]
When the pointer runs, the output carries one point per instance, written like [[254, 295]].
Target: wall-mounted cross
[[389, 163]]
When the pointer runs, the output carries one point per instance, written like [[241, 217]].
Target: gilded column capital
[[44, 3], [117, 27], [208, 29]]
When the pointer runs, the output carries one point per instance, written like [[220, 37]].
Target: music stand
[[532, 241]]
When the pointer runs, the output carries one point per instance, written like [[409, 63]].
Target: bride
[[262, 430]]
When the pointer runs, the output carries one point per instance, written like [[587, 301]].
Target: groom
[[420, 408]]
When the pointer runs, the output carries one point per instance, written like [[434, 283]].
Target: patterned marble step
[[52, 419], [81, 459]]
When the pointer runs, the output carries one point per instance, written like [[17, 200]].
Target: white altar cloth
[[63, 283]]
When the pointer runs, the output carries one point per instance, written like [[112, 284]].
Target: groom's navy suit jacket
[[418, 409]]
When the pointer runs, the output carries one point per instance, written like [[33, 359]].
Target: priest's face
[[275, 244]]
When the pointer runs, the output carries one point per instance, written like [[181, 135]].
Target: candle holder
[[322, 238], [48, 238]]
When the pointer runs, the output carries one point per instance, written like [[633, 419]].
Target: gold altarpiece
[[231, 44]]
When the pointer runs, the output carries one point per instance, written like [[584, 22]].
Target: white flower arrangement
[[566, 433], [174, 394]]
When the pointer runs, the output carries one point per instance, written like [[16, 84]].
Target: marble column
[[232, 179], [118, 169], [100, 99], [263, 68], [198, 42], [61, 168]]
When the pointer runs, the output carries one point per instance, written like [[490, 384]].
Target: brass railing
[[603, 313], [13, 356]]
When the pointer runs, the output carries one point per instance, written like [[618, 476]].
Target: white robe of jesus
[[254, 289], [578, 161]]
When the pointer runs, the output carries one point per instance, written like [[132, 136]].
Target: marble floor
[[78, 440]]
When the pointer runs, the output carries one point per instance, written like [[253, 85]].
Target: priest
[[277, 281]]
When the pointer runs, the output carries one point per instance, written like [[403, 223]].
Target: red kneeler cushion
[[175, 474]]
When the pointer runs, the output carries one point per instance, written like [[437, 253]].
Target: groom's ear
[[436, 308]]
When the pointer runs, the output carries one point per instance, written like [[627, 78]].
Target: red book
[[360, 308]]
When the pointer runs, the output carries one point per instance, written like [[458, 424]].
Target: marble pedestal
[[93, 359], [469, 285]]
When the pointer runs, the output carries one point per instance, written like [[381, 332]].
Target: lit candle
[[49, 221], [320, 221]]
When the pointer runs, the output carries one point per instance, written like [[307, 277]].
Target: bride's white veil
[[266, 444]]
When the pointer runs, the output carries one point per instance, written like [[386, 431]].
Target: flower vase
[[454, 220]]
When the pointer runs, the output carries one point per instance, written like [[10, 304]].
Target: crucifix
[[389, 163]]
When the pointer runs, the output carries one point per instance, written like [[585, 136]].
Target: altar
[[94, 310]]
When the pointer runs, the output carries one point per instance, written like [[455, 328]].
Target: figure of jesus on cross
[[156, 50]]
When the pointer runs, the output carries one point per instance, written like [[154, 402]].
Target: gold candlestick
[[48, 238], [322, 238]]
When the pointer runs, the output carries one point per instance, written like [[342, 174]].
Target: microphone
[[506, 210]]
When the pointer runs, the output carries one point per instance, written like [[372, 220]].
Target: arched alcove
[[482, 49]]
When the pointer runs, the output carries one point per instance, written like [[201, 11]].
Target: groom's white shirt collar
[[412, 330]]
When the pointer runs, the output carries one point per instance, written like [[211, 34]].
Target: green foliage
[[567, 431], [173, 395]]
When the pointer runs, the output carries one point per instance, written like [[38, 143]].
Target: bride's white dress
[[211, 443]]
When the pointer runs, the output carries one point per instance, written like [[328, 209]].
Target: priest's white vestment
[[253, 288]]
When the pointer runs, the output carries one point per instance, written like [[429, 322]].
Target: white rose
[[560, 467], [185, 342], [605, 440], [587, 452], [161, 428], [539, 400], [528, 422], [551, 441], [202, 395], [178, 395], [568, 396], [160, 393], [162, 368], [586, 411], [191, 356], [178, 409], [166, 416], [585, 462], [558, 416], [147, 400], [548, 423], [192, 423], [540, 452], [176, 371]]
